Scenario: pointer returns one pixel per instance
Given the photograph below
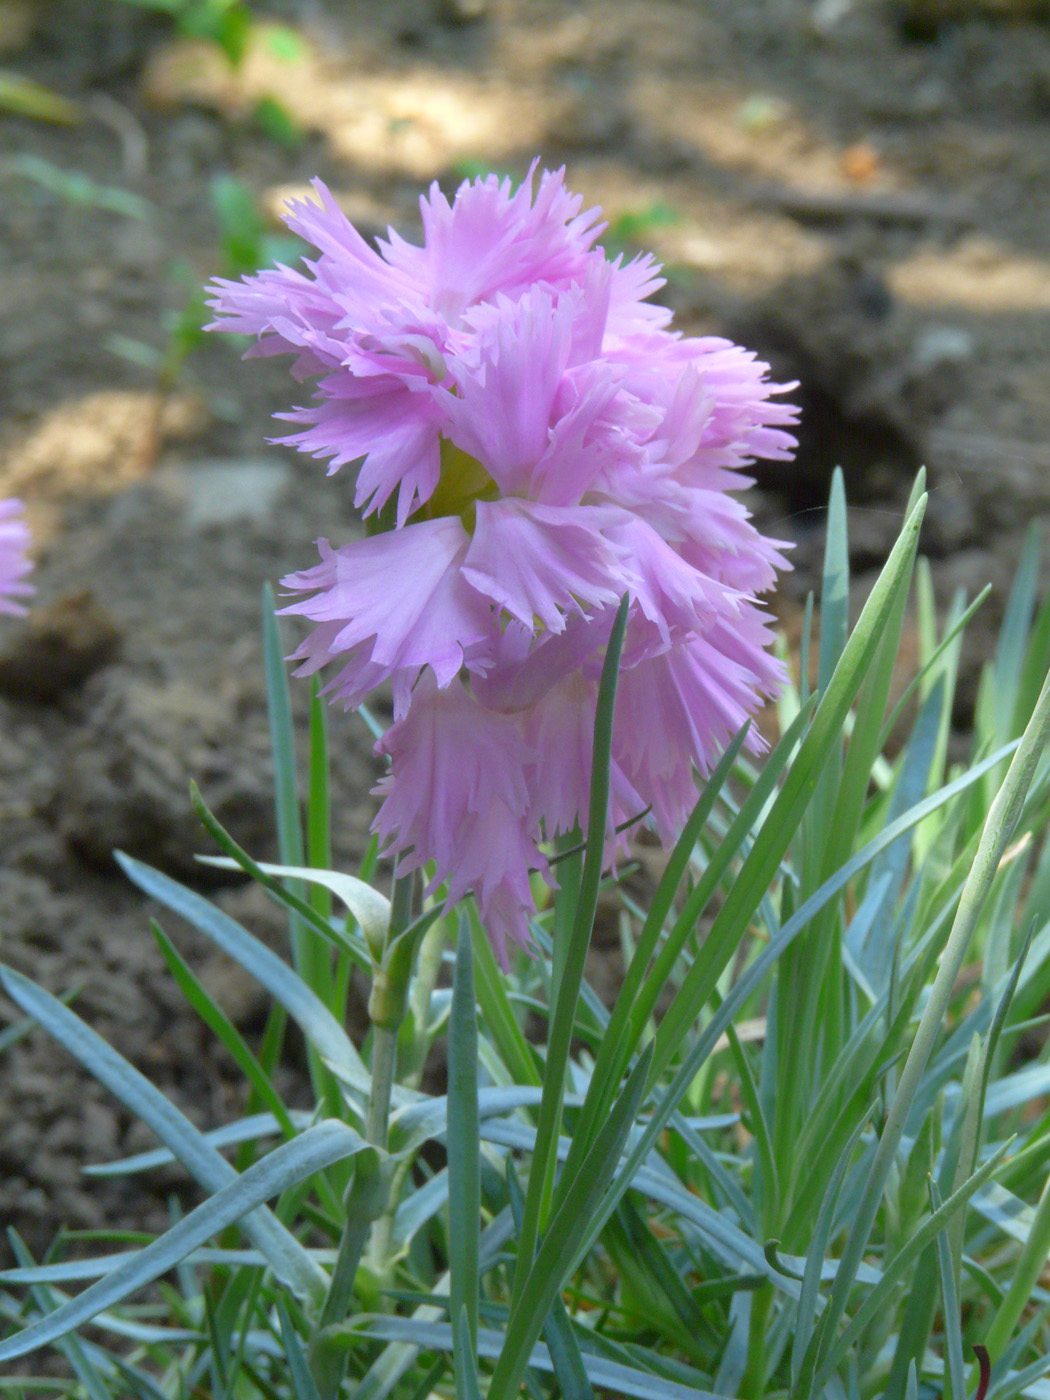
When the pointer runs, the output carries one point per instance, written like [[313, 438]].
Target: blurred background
[[859, 190]]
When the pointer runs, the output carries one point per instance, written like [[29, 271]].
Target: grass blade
[[834, 591], [282, 735], [514, 1050], [752, 979]]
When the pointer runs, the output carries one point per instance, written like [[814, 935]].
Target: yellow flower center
[[463, 482]]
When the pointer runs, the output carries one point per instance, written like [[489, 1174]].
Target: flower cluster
[[532, 442], [14, 557]]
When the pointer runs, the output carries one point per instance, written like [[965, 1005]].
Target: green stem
[[387, 1006], [377, 1131], [384, 1062], [381, 1239], [341, 1289], [367, 1198], [753, 1384], [428, 969]]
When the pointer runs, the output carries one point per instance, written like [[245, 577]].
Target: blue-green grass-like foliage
[[804, 1153]]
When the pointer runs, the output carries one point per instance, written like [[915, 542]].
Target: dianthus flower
[[14, 557], [532, 442]]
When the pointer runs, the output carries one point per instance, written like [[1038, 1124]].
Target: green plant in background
[[23, 97], [232, 27], [635, 226], [245, 242], [225, 23], [850, 1200], [76, 188]]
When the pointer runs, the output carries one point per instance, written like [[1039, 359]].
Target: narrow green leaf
[[569, 1370], [1036, 664], [950, 1296], [255, 1126], [875, 949], [962, 1153], [864, 747], [289, 1260], [653, 1277], [611, 1377], [318, 811], [1024, 1277], [566, 1358], [561, 1247], [500, 1022], [766, 1179], [464, 1340], [288, 1164], [314, 1019], [298, 1370], [733, 843], [997, 831], [781, 824], [224, 1029], [725, 1238], [748, 984], [282, 735], [283, 893], [810, 1296], [464, 1142], [834, 592], [559, 1037], [930, 669], [76, 1353], [621, 1036], [896, 1270], [1012, 643], [370, 908]]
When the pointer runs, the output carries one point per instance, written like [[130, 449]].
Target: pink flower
[[14, 557], [550, 445], [457, 797]]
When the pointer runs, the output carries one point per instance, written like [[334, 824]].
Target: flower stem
[[368, 1198], [753, 1384], [387, 1007], [428, 969], [384, 1063]]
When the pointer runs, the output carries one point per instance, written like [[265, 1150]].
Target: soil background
[[858, 191]]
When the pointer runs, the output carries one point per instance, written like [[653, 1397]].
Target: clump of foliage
[[798, 1157]]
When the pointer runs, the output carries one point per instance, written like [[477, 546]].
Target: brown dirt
[[860, 191]]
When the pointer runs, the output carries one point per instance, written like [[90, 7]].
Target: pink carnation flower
[[545, 444], [14, 557]]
